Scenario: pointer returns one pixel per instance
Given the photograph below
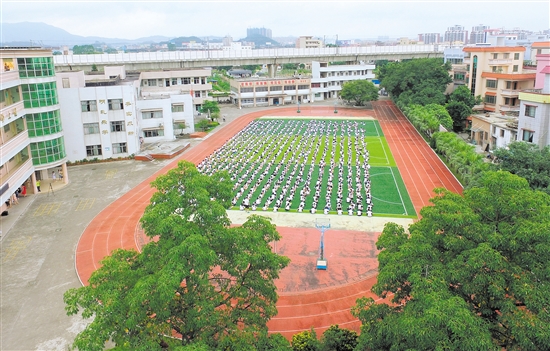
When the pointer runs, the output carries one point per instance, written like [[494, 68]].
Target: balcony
[[14, 145], [467, 60], [498, 62], [509, 93], [17, 176], [508, 108]]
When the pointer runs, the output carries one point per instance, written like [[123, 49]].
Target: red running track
[[310, 305]]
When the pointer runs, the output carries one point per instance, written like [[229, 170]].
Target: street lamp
[[335, 104], [298, 106]]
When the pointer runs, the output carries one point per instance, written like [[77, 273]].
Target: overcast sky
[[361, 19]]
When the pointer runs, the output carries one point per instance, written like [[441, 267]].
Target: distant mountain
[[42, 34], [178, 41], [260, 41]]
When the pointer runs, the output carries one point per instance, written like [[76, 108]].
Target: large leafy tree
[[472, 274], [201, 279], [212, 108], [527, 161], [460, 106], [423, 80], [338, 339], [359, 92]]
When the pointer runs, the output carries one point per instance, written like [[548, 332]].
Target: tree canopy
[[359, 91], [201, 278], [472, 274], [527, 161], [422, 81], [460, 106], [86, 50], [212, 108]]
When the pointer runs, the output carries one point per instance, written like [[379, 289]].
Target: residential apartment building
[[456, 34], [32, 134], [266, 32], [497, 75], [538, 48], [534, 116], [327, 80], [478, 34], [107, 118], [253, 92], [429, 38], [307, 42], [491, 130]]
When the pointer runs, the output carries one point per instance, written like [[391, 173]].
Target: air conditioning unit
[[161, 125]]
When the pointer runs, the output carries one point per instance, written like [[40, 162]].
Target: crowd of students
[[276, 164]]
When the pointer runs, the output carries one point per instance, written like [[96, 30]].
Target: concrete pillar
[[33, 183], [271, 68], [65, 173]]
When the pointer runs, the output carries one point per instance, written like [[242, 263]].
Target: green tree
[[203, 124], [337, 339], [527, 161], [359, 92], [84, 50], [181, 125], [414, 76], [460, 106], [201, 278], [459, 112], [211, 108], [471, 275], [305, 341]]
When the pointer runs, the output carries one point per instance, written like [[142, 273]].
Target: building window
[[197, 94], [527, 135], [502, 133], [247, 90], [196, 80], [152, 82], [490, 99], [495, 56], [93, 150], [516, 56], [31, 67], [174, 81], [303, 87], [151, 114], [117, 126], [290, 87], [530, 110], [44, 123], [511, 85], [177, 107], [115, 104], [494, 129], [44, 152], [91, 128], [66, 83], [515, 68], [39, 94], [119, 148], [186, 81], [260, 100], [506, 56], [153, 133], [203, 80], [510, 101], [247, 101], [260, 89], [88, 106]]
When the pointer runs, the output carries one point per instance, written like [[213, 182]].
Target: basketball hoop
[[322, 224]]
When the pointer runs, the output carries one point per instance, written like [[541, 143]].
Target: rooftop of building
[[498, 119], [494, 49]]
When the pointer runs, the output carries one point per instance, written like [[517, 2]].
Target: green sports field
[[271, 149]]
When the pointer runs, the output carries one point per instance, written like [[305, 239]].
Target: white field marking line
[[388, 202], [376, 127], [385, 154], [399, 191]]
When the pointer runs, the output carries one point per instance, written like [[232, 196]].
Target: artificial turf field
[[302, 143]]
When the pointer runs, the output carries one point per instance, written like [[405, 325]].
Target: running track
[[421, 169]]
